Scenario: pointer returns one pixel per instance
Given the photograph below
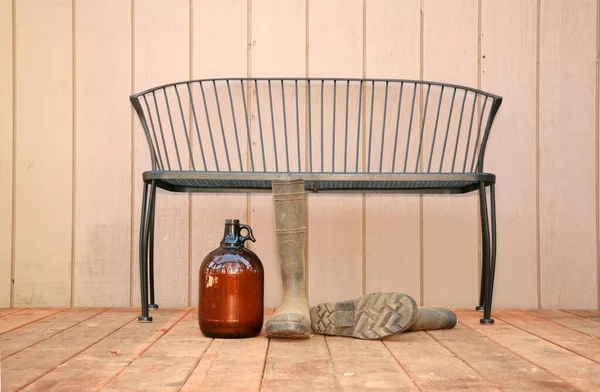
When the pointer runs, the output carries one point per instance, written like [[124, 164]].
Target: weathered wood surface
[[574, 369], [107, 349]]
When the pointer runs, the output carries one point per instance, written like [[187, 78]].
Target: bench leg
[[485, 251], [145, 223], [143, 248], [151, 215], [489, 251]]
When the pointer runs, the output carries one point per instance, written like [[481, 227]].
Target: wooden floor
[[91, 348]]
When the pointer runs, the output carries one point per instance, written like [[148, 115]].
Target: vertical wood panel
[[278, 49], [393, 51], [567, 154], [335, 241], [450, 226], [508, 68], [219, 49], [44, 153], [6, 149], [161, 55], [102, 153]]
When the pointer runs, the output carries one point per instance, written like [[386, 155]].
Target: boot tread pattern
[[322, 317], [372, 316], [379, 315]]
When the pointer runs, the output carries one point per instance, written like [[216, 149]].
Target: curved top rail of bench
[[474, 90], [316, 125]]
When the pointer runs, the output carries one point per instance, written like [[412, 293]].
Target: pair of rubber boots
[[371, 316]]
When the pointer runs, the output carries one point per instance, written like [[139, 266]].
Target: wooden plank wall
[[6, 149], [72, 152], [43, 153]]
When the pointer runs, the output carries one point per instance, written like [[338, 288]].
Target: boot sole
[[288, 330], [371, 316]]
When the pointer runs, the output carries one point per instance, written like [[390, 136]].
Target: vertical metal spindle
[[262, 142], [237, 139], [478, 134], [346, 126], [310, 127], [222, 127], [437, 119], [172, 128], [383, 127], [469, 135], [447, 129], [160, 161], [212, 141], [333, 126], [298, 127], [371, 126], [197, 127], [187, 136], [322, 138], [273, 126], [422, 129], [360, 91], [160, 127], [287, 156], [247, 125], [397, 127], [410, 121], [462, 109]]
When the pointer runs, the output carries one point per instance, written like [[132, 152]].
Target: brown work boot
[[377, 315]]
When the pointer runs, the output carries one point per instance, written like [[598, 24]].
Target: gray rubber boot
[[291, 318], [378, 315]]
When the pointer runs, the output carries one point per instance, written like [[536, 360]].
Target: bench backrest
[[316, 125]]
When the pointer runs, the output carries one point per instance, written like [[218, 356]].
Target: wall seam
[[597, 108], [190, 199], [307, 143], [73, 147], [537, 155], [478, 211], [249, 100], [132, 167], [14, 154], [421, 204], [364, 196]]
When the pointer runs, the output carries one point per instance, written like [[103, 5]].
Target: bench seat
[[195, 181]]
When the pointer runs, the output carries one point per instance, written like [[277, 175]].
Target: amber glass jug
[[231, 287]]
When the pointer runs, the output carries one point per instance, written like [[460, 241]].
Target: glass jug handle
[[248, 236]]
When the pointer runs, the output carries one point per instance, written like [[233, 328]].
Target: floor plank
[[30, 334], [18, 319], [100, 363], [432, 366], [26, 366], [580, 343], [570, 367], [299, 365], [586, 326], [495, 363], [366, 364], [7, 311], [593, 315], [243, 357], [168, 363]]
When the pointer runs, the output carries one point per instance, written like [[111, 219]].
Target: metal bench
[[339, 135]]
